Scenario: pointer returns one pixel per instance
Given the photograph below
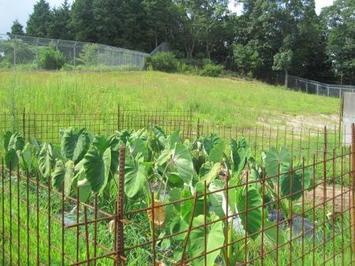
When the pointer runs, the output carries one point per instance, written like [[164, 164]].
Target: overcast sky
[[20, 9]]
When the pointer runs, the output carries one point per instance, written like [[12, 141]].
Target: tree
[[246, 58], [108, 18], [83, 21], [160, 21], [340, 29], [60, 25], [282, 61], [17, 28], [39, 21], [199, 20]]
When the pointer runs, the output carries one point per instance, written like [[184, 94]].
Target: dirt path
[[341, 201]]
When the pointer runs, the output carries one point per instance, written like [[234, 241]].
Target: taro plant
[[169, 169], [13, 146]]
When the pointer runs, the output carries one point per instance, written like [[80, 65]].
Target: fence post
[[118, 117], [317, 89], [198, 128], [328, 90], [24, 123], [120, 208], [75, 53], [353, 188]]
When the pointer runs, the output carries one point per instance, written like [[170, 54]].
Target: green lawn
[[232, 101]]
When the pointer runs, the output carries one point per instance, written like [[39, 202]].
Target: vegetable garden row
[[145, 197]]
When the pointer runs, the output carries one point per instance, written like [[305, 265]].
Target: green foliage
[[46, 160], [339, 22], [25, 53], [246, 58], [211, 70], [39, 21], [164, 166], [249, 204], [13, 144], [74, 144], [17, 28], [88, 55], [60, 23], [215, 239], [282, 60], [50, 58], [164, 61]]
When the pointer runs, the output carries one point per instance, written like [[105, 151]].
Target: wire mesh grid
[[40, 225], [25, 50]]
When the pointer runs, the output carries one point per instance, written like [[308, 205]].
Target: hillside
[[232, 101]]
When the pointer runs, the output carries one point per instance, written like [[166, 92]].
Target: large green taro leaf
[[217, 151], [74, 144], [294, 182], [240, 152], [249, 205], [97, 168], [16, 142], [273, 159], [62, 176], [13, 143], [178, 160], [11, 159], [182, 162], [215, 240], [136, 176], [46, 160], [27, 158], [7, 137]]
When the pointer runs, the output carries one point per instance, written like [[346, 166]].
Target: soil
[[301, 121], [342, 198]]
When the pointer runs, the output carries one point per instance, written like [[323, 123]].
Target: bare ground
[[342, 197]]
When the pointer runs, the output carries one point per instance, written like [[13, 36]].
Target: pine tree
[[83, 21], [60, 26], [39, 21], [17, 28]]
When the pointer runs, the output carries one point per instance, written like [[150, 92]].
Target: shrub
[[50, 59], [211, 70], [89, 55], [164, 61]]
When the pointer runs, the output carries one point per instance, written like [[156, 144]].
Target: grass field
[[232, 101]]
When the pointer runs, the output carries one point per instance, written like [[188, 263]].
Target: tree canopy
[[267, 37]]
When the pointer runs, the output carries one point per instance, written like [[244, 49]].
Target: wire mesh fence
[[21, 50], [247, 223], [318, 88], [47, 127]]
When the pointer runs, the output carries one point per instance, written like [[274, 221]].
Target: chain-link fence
[[315, 87], [25, 51]]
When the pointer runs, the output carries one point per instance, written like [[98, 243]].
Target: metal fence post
[[353, 188], [120, 208], [75, 53], [24, 123], [118, 117]]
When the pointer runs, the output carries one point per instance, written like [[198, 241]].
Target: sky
[[20, 10]]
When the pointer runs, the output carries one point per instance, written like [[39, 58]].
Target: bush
[[50, 59], [89, 55], [211, 70], [164, 61]]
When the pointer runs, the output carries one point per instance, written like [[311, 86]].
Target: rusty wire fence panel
[[318, 231], [40, 226], [47, 127]]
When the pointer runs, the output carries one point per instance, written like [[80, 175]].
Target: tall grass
[[236, 101]]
